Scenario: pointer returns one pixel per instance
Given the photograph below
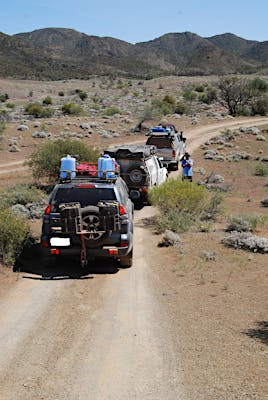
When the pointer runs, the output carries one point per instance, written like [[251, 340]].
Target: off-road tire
[[136, 176], [90, 214]]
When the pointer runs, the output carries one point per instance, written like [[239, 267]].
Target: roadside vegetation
[[19, 194], [45, 161], [182, 205], [14, 235]]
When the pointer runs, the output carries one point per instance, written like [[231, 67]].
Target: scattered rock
[[219, 158], [209, 255], [199, 170], [247, 241], [253, 130], [14, 149], [105, 134], [260, 138], [23, 128], [36, 209], [264, 202], [195, 121], [39, 135], [21, 210], [85, 125], [215, 178], [170, 239]]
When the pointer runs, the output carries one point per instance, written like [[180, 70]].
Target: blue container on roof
[[68, 167]]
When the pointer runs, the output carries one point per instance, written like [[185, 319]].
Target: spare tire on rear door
[[136, 175], [91, 222]]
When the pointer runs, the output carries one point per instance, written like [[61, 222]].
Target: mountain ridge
[[62, 53]]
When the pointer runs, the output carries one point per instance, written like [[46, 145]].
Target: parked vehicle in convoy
[[90, 215], [169, 143], [140, 168]]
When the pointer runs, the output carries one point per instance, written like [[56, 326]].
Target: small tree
[[45, 161], [238, 94]]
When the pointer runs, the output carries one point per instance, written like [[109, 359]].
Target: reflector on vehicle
[[85, 186], [60, 242]]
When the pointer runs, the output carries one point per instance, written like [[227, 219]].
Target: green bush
[[260, 106], [47, 112], [2, 127], [111, 111], [45, 161], [71, 109], [19, 194], [10, 105], [180, 204], [47, 101], [199, 88], [181, 108], [189, 95], [182, 196], [161, 107], [4, 97], [34, 109], [213, 208], [82, 95], [169, 99], [245, 223], [261, 170], [174, 221], [14, 235], [259, 84]]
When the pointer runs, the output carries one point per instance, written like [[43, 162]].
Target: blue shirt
[[187, 169]]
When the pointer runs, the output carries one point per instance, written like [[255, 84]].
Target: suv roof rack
[[91, 178]]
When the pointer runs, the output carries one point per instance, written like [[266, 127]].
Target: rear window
[[84, 196], [160, 141]]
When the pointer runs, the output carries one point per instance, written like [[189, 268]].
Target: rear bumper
[[106, 250]]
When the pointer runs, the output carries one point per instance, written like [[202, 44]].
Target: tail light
[[122, 210], [173, 153], [144, 189], [86, 186], [45, 244], [113, 252], [48, 210], [55, 251]]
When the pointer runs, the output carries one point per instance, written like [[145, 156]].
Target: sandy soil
[[173, 326]]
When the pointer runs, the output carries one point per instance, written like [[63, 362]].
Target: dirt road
[[106, 335]]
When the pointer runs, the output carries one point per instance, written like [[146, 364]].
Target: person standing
[[187, 167]]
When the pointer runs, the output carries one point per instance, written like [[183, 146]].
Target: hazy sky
[[138, 20]]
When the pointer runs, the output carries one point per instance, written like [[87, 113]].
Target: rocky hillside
[[58, 53]]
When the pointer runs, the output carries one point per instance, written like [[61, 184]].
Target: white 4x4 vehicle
[[170, 145], [140, 168]]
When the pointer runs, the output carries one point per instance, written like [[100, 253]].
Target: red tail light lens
[[48, 210], [55, 251], [173, 153], [83, 186], [45, 244], [144, 189], [122, 210]]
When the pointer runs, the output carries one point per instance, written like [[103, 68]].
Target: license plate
[[60, 242]]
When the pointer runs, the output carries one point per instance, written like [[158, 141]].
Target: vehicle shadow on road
[[260, 332], [33, 261]]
